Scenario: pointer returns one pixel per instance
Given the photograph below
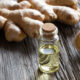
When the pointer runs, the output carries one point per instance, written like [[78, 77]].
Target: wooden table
[[18, 61]]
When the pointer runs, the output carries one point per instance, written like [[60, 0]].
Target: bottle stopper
[[48, 27]]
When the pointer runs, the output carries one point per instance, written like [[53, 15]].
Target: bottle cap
[[48, 27]]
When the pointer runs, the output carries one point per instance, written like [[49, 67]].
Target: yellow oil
[[49, 58]]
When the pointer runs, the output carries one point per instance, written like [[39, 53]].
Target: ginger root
[[13, 32], [28, 25], [32, 13], [12, 5], [61, 13], [20, 22], [77, 41], [44, 8], [2, 22], [67, 15], [69, 3]]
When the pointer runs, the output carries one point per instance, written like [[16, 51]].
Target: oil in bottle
[[49, 51]]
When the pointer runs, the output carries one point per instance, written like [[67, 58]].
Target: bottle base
[[46, 69]]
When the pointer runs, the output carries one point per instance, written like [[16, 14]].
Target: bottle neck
[[48, 35]]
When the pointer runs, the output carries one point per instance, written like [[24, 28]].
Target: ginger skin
[[29, 20], [12, 5], [2, 22], [63, 14], [13, 32], [77, 41], [11, 28], [69, 3], [67, 15], [28, 25], [44, 8]]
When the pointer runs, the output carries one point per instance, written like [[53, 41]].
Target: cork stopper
[[48, 27]]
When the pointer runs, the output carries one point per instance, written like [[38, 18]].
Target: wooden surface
[[18, 61]]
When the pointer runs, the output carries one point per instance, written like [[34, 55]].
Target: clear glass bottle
[[49, 48]]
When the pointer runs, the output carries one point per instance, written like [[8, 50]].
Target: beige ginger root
[[13, 32], [61, 13], [32, 13], [70, 3], [2, 22], [44, 8], [67, 15], [70, 17], [12, 5], [29, 26], [9, 30], [77, 41]]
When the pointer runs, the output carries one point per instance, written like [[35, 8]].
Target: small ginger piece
[[28, 25], [2, 22], [69, 3], [32, 13], [77, 41], [24, 4], [12, 5], [44, 8], [67, 15], [13, 32], [31, 26]]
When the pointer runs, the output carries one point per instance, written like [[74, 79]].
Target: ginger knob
[[77, 41]]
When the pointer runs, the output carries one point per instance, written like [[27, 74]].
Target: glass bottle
[[48, 48]]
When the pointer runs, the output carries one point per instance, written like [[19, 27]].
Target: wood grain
[[19, 61]]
